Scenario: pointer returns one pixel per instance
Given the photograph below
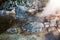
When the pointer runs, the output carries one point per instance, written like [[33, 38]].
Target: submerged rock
[[33, 27], [52, 36], [20, 11]]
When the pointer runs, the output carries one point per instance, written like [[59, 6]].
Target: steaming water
[[48, 36], [51, 7]]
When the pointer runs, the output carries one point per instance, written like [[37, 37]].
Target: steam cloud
[[51, 7]]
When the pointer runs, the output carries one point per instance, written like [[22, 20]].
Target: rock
[[33, 27]]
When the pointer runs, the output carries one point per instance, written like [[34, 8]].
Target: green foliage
[[18, 2]]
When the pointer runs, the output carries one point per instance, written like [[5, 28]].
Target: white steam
[[51, 7]]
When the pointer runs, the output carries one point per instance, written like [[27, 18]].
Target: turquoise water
[[23, 37]]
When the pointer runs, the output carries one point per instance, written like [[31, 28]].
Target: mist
[[51, 7]]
